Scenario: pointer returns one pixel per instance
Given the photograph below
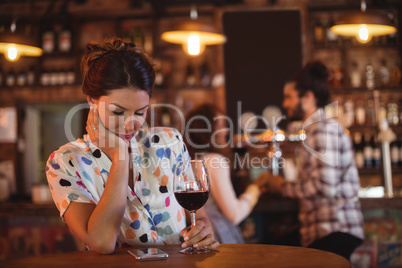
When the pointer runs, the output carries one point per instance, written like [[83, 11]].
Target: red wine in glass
[[191, 189], [192, 200]]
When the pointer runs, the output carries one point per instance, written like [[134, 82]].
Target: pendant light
[[13, 45], [363, 25], [193, 35]]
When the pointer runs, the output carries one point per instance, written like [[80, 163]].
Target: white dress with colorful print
[[78, 172]]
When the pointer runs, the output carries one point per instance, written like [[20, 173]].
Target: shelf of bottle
[[396, 129], [378, 171], [349, 89]]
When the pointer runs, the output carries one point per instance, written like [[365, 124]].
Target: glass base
[[191, 250]]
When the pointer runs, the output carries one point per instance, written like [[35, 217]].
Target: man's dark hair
[[314, 77]]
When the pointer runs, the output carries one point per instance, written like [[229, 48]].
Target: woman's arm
[[233, 208], [98, 226]]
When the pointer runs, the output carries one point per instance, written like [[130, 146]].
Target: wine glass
[[191, 189]]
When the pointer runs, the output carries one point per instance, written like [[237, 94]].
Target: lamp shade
[[376, 24], [14, 45], [194, 36]]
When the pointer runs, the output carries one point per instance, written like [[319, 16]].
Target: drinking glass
[[191, 189]]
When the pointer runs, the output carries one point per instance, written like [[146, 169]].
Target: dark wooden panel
[[262, 51]]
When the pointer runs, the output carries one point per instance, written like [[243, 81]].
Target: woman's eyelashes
[[117, 113], [121, 113]]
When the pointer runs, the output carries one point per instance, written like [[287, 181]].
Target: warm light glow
[[364, 36], [189, 40], [193, 45], [12, 52]]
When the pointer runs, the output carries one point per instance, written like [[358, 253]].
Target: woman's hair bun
[[98, 49]]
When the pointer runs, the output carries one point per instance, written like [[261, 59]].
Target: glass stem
[[192, 216]]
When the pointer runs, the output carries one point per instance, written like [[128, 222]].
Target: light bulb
[[363, 36], [193, 47], [12, 53]]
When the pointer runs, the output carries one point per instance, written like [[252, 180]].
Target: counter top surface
[[227, 255]]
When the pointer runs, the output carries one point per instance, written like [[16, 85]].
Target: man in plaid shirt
[[328, 182]]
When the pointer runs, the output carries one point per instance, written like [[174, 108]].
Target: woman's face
[[123, 111]]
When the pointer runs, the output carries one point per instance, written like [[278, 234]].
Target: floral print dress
[[78, 172]]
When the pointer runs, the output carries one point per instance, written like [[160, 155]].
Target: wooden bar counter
[[227, 255]]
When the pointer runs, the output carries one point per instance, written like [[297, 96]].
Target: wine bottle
[[65, 39], [376, 151], [367, 151], [395, 153], [355, 76], [31, 76], [48, 41], [392, 112], [370, 77], [357, 143], [318, 33], [10, 79], [384, 74], [360, 113]]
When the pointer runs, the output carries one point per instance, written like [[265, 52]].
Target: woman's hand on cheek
[[107, 141], [200, 236]]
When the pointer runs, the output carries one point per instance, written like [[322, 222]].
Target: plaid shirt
[[328, 182]]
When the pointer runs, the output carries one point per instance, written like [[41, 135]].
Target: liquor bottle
[[395, 79], [205, 75], [65, 39], [349, 113], [48, 41], [360, 113], [21, 79], [384, 74], [10, 78], [54, 78], [332, 38], [355, 76], [383, 112], [318, 33], [370, 113], [61, 77], [358, 146], [370, 77], [367, 151], [70, 77], [31, 76], [190, 78], [395, 153], [376, 151], [45, 78], [392, 112]]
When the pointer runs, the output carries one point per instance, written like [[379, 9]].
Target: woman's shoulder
[[78, 147]]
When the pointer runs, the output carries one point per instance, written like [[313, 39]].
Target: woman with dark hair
[[224, 209], [114, 187]]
